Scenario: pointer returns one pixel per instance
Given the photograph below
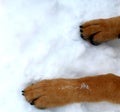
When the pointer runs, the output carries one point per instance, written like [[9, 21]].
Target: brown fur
[[58, 92], [101, 30]]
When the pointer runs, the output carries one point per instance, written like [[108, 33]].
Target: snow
[[39, 39], [84, 86]]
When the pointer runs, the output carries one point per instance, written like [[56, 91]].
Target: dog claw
[[32, 103], [82, 37], [95, 44], [23, 93], [119, 36], [81, 26], [91, 38], [92, 42], [81, 30]]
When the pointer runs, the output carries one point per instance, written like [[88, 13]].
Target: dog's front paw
[[100, 30], [50, 93]]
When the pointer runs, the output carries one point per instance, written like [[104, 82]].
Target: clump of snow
[[84, 86], [39, 39]]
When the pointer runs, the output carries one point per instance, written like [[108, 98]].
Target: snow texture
[[84, 86], [39, 39]]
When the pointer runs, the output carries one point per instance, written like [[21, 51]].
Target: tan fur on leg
[[58, 92], [101, 30]]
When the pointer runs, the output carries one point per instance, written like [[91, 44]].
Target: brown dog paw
[[59, 92], [51, 93], [100, 30]]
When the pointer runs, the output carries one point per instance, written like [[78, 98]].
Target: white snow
[[84, 86], [39, 39]]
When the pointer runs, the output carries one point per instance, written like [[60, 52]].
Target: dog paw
[[100, 30], [50, 93]]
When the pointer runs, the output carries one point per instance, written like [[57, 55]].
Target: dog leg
[[101, 30], [59, 92]]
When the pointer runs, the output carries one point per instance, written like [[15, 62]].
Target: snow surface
[[39, 39]]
